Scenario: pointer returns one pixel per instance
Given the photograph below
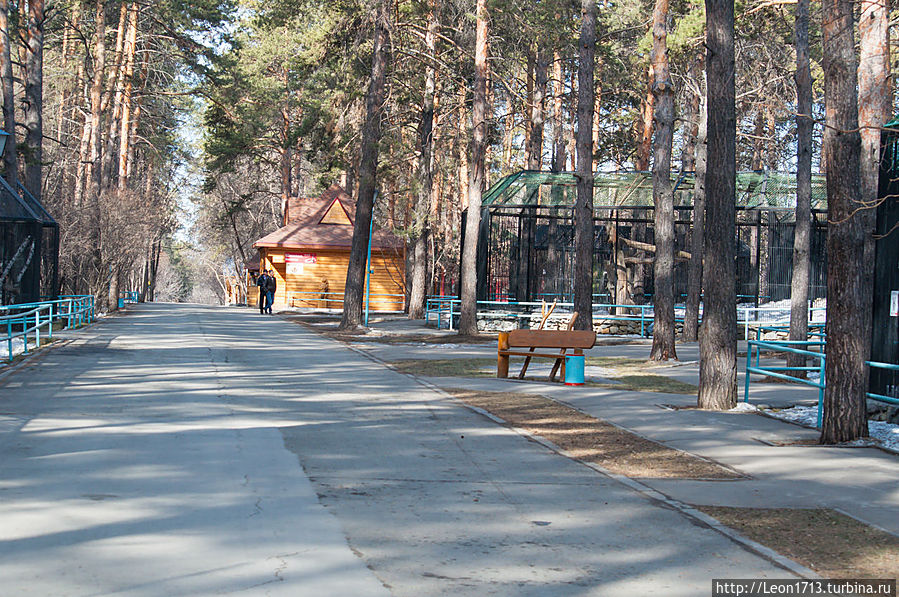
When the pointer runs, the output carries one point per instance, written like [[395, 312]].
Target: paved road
[[862, 482], [187, 450]]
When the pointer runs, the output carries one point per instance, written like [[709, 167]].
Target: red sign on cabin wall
[[296, 262], [305, 258]]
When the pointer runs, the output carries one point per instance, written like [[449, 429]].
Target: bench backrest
[[552, 338]]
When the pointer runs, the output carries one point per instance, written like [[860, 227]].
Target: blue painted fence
[[29, 321]]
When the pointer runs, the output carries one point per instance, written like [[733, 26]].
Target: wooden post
[[502, 361]]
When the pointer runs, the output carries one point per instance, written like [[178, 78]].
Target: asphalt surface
[[189, 450]]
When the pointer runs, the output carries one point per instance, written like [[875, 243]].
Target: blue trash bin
[[574, 370], [121, 303]]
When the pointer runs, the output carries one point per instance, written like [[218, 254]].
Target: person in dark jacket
[[271, 285], [263, 295]]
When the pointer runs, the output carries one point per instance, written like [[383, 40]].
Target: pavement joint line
[[646, 491]]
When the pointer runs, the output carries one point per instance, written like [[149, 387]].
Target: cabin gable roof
[[323, 222]]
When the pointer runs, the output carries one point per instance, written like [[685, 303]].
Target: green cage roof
[[531, 188]]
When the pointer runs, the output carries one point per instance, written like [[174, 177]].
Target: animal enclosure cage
[[526, 249], [885, 316], [29, 248]]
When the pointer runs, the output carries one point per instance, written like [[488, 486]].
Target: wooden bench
[[564, 340]]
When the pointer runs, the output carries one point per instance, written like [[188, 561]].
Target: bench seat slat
[[511, 353], [552, 338]]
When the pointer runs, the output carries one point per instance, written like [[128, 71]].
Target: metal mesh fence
[[29, 247], [530, 245]]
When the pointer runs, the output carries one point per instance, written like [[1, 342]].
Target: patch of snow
[[777, 311], [886, 433], [18, 347], [883, 434], [803, 415], [744, 407]]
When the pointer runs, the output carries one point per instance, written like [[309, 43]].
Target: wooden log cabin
[[310, 254]]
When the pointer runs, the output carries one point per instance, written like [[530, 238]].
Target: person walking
[[271, 285], [261, 283]]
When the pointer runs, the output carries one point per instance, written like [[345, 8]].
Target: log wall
[[321, 284]]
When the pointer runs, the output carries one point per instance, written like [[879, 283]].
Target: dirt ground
[[832, 544], [618, 373], [593, 440]]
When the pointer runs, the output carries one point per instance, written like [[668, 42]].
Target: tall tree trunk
[[114, 119], [644, 126], [468, 319], [697, 238], [845, 418], [558, 160], [874, 107], [9, 108], [94, 171], [597, 119], [663, 347], [133, 127], [34, 102], [286, 165], [583, 211], [758, 142], [692, 118], [718, 336], [802, 234], [772, 150], [112, 296], [462, 148], [538, 101], [552, 277], [154, 269], [572, 138], [368, 171], [126, 133], [636, 273], [529, 101], [508, 129], [421, 226]]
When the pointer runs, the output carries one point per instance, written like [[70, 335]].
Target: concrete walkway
[[137, 461], [187, 450], [862, 482]]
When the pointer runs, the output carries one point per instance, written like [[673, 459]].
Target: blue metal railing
[[20, 325], [815, 330], [882, 397], [755, 347], [444, 309], [27, 320], [130, 297], [315, 299], [751, 317]]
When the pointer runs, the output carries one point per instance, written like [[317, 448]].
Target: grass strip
[[830, 543], [623, 374], [593, 440]]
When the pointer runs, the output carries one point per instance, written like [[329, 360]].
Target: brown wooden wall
[[321, 284]]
